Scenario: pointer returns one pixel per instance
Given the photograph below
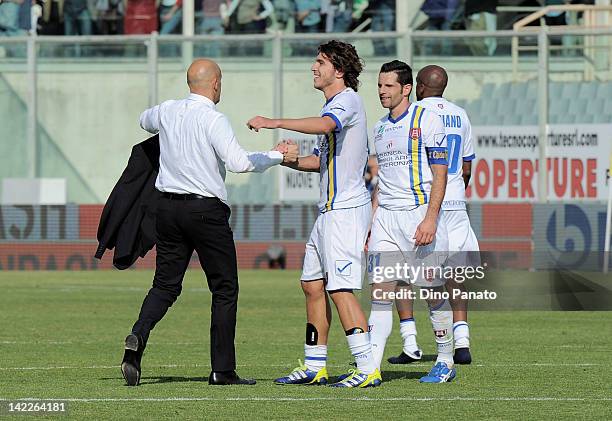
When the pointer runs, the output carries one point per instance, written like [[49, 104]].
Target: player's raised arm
[[237, 159], [308, 125]]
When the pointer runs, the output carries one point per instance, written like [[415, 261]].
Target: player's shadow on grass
[[172, 379], [389, 376], [428, 357]]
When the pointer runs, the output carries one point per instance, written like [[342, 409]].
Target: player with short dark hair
[[411, 149]]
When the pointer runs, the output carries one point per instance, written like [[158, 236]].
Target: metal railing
[[405, 50], [591, 13]]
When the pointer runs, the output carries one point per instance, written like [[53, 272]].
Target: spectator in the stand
[[481, 15], [52, 21], [307, 19], [140, 17], [110, 16], [25, 16], [283, 11], [171, 16], [342, 18], [78, 16], [557, 18], [383, 19], [9, 18], [440, 14], [211, 24], [249, 17]]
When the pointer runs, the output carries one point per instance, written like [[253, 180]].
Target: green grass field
[[61, 337]]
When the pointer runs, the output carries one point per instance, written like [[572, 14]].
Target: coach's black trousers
[[182, 227]]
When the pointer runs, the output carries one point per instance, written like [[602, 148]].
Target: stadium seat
[[569, 90], [487, 90], [503, 90], [594, 111]]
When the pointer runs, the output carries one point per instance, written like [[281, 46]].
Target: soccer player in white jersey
[[411, 150], [463, 244], [333, 259]]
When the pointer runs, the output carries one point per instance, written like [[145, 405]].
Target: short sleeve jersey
[[343, 153], [405, 148], [460, 147]]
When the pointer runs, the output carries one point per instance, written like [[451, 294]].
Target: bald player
[[463, 244], [197, 145]]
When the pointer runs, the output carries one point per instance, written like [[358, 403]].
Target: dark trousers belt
[[189, 196]]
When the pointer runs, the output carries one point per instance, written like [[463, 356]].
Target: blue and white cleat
[[356, 378], [302, 375], [440, 373]]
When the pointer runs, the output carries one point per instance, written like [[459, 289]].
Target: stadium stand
[[569, 102]]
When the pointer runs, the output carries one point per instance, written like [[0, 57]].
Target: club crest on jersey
[[415, 133]]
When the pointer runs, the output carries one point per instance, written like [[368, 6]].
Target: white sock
[[381, 324], [441, 317], [315, 356], [359, 344], [461, 332], [409, 333]]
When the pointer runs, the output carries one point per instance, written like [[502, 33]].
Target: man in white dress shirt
[[197, 144]]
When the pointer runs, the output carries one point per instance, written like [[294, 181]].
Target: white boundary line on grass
[[113, 367], [339, 398]]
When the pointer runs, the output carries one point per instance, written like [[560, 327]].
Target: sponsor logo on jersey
[[343, 267]]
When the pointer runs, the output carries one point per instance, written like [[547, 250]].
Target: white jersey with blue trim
[[460, 147], [405, 149], [343, 153]]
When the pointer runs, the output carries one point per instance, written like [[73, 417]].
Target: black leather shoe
[[130, 366], [227, 377]]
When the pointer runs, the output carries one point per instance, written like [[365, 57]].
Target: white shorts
[[334, 250], [392, 243], [462, 241]]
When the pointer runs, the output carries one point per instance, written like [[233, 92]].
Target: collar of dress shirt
[[201, 98]]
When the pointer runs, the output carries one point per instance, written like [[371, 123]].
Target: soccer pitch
[[62, 338]]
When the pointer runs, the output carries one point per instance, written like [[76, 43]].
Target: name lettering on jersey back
[[453, 121]]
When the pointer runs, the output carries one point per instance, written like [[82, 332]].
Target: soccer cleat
[[356, 378], [462, 356], [406, 358], [440, 373], [302, 375], [130, 366]]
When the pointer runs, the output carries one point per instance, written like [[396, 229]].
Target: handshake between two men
[[290, 151]]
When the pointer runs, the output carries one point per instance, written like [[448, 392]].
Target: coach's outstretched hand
[[260, 122], [425, 232]]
